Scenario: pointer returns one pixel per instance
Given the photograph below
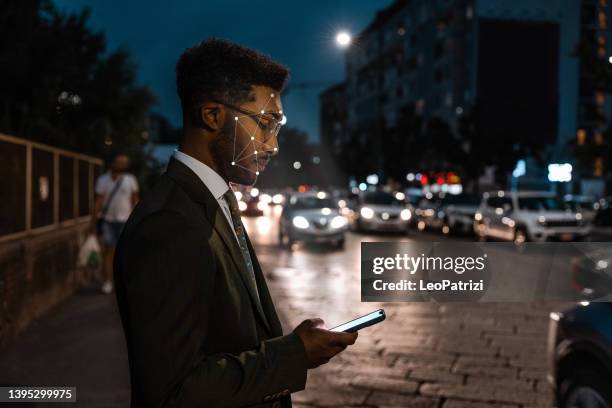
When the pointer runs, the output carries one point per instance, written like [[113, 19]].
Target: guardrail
[[43, 188]]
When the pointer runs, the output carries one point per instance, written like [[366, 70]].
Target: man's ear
[[210, 116]]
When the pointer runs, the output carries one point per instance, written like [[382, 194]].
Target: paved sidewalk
[[77, 343], [440, 356], [424, 355]]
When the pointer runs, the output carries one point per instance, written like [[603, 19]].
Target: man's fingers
[[343, 339], [317, 322], [311, 323]]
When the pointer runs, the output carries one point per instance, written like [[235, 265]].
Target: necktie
[[230, 198]]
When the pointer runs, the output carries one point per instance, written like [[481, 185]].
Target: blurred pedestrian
[[116, 194]]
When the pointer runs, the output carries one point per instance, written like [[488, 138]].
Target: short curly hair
[[217, 69]]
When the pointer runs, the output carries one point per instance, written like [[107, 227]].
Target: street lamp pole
[[380, 87]]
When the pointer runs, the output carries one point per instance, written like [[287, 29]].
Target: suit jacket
[[197, 335]]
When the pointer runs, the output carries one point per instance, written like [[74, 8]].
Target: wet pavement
[[423, 355]]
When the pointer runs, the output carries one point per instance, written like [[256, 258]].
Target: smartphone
[[361, 322]]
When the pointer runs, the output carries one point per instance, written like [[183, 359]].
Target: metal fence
[[43, 188]]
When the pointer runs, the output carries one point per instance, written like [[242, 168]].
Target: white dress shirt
[[211, 179]]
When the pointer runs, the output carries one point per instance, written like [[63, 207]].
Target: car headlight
[[405, 214], [338, 222], [300, 222], [366, 212]]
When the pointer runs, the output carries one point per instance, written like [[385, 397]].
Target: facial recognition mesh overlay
[[270, 128], [485, 272]]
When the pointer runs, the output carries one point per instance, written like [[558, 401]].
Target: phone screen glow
[[357, 322]]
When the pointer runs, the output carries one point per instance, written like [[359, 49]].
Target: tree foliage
[[60, 86]]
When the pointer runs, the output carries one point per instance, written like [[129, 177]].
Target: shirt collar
[[211, 179]]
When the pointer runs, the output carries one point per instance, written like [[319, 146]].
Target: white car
[[381, 211], [527, 216], [312, 217], [587, 205], [429, 214], [458, 211]]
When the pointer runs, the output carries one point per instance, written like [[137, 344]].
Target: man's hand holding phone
[[321, 344]]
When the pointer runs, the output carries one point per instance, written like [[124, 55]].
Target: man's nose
[[272, 145]]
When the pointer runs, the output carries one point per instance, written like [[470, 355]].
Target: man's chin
[[244, 177]]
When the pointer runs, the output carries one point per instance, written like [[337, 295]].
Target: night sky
[[298, 34]]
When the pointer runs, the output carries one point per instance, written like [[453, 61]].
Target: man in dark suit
[[200, 325]]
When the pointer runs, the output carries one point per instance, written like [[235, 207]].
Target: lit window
[[420, 105], [448, 99], [469, 12], [581, 135], [603, 20], [598, 167], [601, 51]]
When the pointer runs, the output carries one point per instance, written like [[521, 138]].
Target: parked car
[[458, 212], [277, 197], [312, 217], [585, 204], [527, 216], [253, 206], [602, 221], [345, 201], [381, 211], [580, 356], [603, 216], [428, 213], [592, 273], [413, 196]]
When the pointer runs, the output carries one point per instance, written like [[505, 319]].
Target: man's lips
[[261, 163]]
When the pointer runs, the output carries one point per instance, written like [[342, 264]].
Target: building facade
[[513, 61]]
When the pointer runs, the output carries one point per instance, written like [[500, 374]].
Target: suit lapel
[[264, 294], [191, 183], [223, 229]]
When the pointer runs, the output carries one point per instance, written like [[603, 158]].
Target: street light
[[343, 39], [372, 179], [561, 172]]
